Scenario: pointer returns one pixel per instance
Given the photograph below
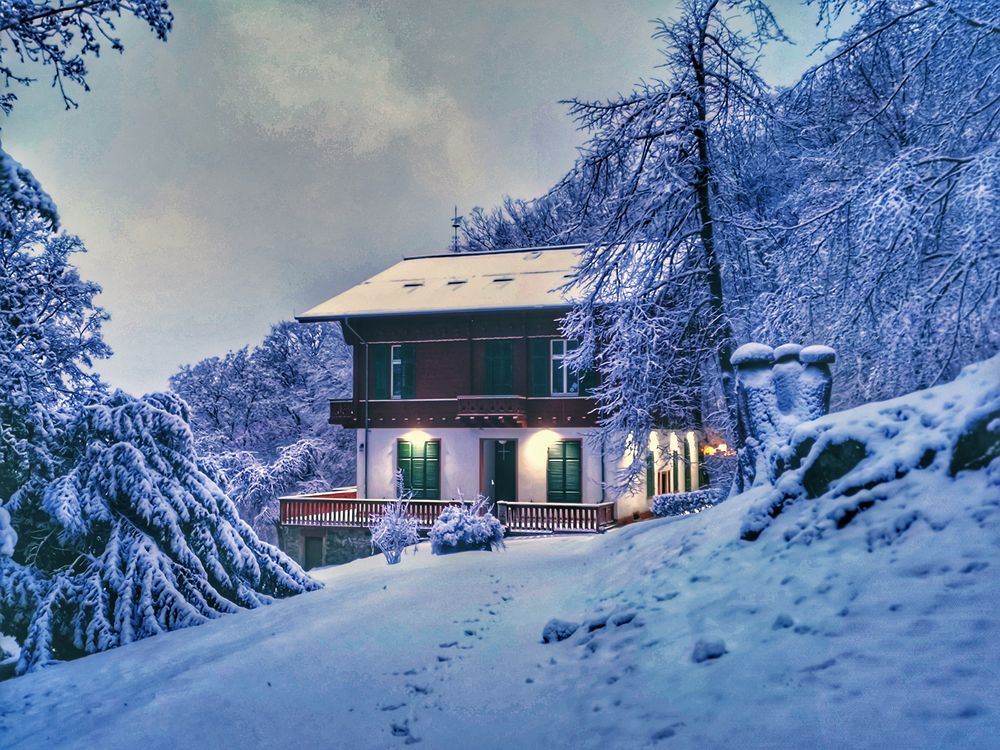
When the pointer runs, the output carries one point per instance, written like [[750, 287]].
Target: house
[[461, 382]]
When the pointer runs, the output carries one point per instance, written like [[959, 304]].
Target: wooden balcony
[[330, 510], [343, 412], [467, 411], [493, 411]]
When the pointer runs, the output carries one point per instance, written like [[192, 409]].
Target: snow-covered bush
[[394, 529], [682, 503], [129, 539], [466, 527]]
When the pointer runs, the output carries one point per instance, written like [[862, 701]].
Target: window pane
[[557, 377], [557, 347], [572, 381], [397, 379]]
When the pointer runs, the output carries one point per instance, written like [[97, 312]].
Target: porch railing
[[322, 509], [317, 510], [557, 517]]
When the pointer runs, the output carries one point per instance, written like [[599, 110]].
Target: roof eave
[[412, 313]]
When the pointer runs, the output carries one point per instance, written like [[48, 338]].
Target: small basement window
[[412, 284], [505, 278], [456, 282]]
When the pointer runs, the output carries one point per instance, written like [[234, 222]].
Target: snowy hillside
[[865, 614]]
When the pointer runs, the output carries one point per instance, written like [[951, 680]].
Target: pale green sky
[[272, 154]]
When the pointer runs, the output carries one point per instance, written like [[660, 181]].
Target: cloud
[[338, 77]]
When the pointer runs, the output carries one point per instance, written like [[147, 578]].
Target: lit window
[[564, 380]]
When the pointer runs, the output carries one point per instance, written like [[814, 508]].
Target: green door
[[505, 470]]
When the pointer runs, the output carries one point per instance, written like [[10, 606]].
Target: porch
[[340, 509]]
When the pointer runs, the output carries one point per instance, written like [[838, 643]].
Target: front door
[[505, 470]]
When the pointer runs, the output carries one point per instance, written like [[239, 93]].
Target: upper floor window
[[396, 376], [499, 367], [393, 371], [565, 381]]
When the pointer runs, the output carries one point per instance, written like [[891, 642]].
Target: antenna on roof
[[456, 222]]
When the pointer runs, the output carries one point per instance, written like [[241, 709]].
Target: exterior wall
[[461, 463], [460, 459]]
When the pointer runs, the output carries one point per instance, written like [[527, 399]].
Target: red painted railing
[[327, 509], [322, 510], [556, 517]]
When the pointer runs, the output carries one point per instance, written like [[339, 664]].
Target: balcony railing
[[343, 412], [466, 411], [493, 407], [321, 510], [557, 517]]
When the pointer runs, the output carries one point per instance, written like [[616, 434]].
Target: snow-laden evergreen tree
[[50, 334], [260, 417], [60, 36], [138, 540], [110, 529]]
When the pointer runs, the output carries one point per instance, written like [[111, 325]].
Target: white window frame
[[395, 358], [563, 390]]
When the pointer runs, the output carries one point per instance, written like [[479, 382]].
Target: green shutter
[[499, 368], [650, 476], [421, 467], [563, 479], [540, 367], [432, 470], [407, 354], [379, 361], [404, 461], [556, 473]]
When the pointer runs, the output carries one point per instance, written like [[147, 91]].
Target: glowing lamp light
[[710, 450]]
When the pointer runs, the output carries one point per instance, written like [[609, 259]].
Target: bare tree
[[893, 229], [664, 164]]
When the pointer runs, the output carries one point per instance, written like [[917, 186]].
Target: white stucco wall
[[460, 461]]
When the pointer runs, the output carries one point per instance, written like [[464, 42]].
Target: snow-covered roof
[[528, 278]]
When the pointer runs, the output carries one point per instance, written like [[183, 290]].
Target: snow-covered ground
[[884, 633]]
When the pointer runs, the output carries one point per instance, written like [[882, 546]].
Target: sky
[[272, 154]]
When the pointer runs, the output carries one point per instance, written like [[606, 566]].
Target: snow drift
[[880, 630]]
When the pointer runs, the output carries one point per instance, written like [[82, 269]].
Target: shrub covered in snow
[[130, 538], [394, 529], [466, 527], [682, 503]]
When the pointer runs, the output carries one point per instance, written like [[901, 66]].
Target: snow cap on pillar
[[787, 352], [817, 354], [752, 354]]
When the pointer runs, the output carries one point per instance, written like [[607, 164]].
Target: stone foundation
[[339, 545]]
